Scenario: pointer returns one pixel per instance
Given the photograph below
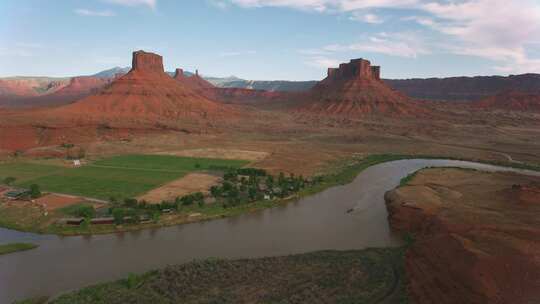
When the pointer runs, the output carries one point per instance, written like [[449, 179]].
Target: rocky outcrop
[[355, 89], [147, 62], [477, 236], [195, 82], [510, 101]]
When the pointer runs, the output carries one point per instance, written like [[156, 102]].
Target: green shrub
[[34, 191]]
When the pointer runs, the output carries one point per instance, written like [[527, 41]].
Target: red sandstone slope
[[511, 101], [195, 81], [225, 95], [355, 89], [146, 91]]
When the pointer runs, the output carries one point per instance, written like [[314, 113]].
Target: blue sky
[[272, 39]]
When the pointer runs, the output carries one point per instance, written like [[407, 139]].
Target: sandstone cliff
[[477, 236]]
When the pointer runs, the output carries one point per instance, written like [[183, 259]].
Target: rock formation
[[510, 101], [355, 89], [476, 236], [195, 82], [146, 91]]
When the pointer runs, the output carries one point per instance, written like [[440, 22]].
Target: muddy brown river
[[318, 222]]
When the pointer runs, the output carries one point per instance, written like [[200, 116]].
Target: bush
[[86, 211], [34, 191]]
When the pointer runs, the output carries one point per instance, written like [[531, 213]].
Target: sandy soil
[[192, 182], [54, 201], [477, 236]]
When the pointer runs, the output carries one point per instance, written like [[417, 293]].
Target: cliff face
[[477, 236], [465, 88], [355, 89], [510, 101], [147, 62]]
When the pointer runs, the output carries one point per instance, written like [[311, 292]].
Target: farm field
[[118, 177]]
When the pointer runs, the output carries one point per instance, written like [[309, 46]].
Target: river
[[318, 222]]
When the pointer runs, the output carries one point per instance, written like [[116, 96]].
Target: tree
[[86, 211], [270, 181], [9, 180], [227, 187], [199, 197], [187, 199], [34, 191], [118, 215], [252, 192], [130, 202], [215, 191]]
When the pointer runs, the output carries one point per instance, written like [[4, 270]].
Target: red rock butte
[[146, 91], [149, 62], [356, 89]]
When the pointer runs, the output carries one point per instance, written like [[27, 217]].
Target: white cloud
[[498, 30], [404, 44], [221, 4], [367, 18], [322, 62], [86, 12], [149, 3]]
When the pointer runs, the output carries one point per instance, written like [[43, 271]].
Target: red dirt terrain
[[511, 101], [355, 89], [477, 236]]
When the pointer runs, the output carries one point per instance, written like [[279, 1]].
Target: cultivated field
[[119, 176]]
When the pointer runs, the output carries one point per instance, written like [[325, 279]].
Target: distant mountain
[[266, 85], [111, 73]]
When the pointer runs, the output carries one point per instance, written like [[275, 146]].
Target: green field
[[119, 176]]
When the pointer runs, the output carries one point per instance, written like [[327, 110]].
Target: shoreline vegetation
[[358, 276], [16, 247], [190, 209]]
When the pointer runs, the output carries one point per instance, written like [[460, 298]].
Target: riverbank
[[360, 276], [341, 173], [15, 247], [476, 235]]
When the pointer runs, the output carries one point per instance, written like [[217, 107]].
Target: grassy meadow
[[119, 176]]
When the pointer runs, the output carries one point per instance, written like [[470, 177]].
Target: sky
[[272, 39]]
